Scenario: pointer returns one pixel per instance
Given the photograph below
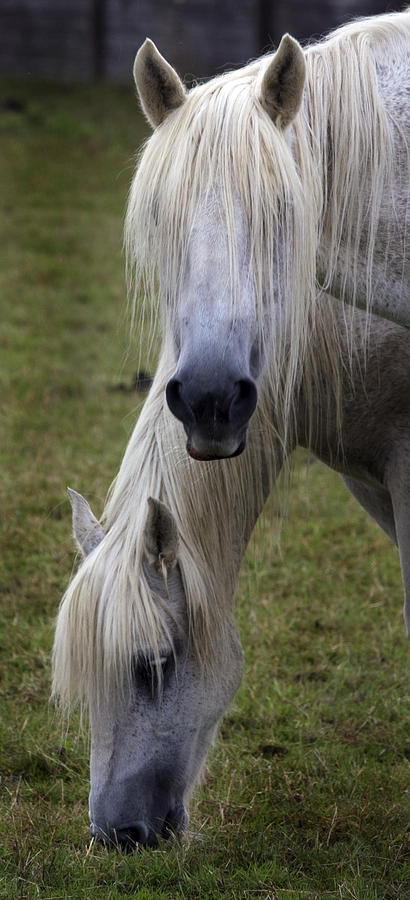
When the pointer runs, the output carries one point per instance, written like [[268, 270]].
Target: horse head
[[149, 741], [220, 325]]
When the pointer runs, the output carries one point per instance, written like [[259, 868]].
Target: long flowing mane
[[109, 608], [222, 138], [294, 196]]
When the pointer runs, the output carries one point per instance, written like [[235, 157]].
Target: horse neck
[[215, 504], [350, 153]]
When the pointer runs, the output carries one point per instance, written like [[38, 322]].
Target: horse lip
[[107, 836], [177, 816], [202, 457], [116, 838], [212, 457]]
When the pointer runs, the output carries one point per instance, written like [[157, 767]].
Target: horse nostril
[[138, 835], [244, 401], [211, 410], [178, 406]]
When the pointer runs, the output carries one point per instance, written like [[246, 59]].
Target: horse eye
[[145, 671]]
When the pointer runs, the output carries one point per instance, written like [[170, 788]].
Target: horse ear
[[283, 82], [161, 537], [159, 87], [87, 530]]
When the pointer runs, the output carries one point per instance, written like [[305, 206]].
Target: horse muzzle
[[215, 418], [141, 834], [205, 451]]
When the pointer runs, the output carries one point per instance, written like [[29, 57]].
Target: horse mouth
[[140, 835], [215, 451]]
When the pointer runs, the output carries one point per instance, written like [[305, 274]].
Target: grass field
[[306, 794]]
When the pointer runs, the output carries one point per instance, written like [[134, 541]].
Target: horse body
[[251, 189], [372, 450], [149, 742]]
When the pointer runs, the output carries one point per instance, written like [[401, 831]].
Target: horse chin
[[214, 450]]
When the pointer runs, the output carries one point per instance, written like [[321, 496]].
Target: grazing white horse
[[257, 191]]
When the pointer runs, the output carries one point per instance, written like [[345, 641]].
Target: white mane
[[108, 609], [222, 135]]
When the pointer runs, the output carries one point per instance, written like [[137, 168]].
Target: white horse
[[253, 188]]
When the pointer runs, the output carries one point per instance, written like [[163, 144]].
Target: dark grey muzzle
[[215, 416], [140, 834]]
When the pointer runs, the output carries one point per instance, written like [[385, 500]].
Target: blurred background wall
[[86, 39]]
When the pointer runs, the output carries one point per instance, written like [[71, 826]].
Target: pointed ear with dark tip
[[87, 530], [161, 537], [283, 82], [159, 87]]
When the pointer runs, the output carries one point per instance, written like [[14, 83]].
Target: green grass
[[306, 794]]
